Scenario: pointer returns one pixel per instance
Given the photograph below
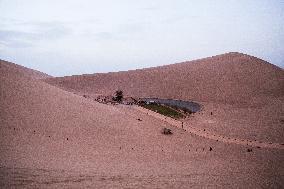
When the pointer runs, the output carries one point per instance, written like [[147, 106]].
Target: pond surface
[[191, 106]]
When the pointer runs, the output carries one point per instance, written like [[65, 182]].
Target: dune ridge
[[14, 69]]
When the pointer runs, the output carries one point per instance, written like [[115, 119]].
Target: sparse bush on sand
[[167, 131], [118, 95], [185, 110]]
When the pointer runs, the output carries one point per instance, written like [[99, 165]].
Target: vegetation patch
[[167, 131], [164, 110], [118, 96], [184, 110]]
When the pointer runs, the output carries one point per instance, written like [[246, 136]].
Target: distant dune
[[50, 137], [228, 84], [228, 78]]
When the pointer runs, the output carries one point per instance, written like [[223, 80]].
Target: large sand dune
[[53, 138], [228, 78], [244, 93]]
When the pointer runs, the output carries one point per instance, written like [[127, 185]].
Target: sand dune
[[191, 128], [229, 78], [9, 68], [53, 138], [244, 93]]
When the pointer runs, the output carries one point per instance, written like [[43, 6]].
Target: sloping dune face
[[241, 95], [229, 78], [51, 138], [38, 120]]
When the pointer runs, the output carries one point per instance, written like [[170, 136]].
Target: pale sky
[[67, 37]]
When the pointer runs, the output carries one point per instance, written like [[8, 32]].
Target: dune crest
[[14, 69]]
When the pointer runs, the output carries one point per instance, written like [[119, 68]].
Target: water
[[191, 106]]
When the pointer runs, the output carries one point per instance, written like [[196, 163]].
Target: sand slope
[[8, 68], [51, 138], [228, 78], [244, 93]]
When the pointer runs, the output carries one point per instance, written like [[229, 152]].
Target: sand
[[231, 78], [51, 137], [195, 127]]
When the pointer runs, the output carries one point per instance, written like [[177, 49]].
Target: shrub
[[167, 131], [185, 110], [118, 95]]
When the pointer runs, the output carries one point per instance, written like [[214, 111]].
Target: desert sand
[[53, 137]]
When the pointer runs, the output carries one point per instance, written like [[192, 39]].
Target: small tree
[[118, 95]]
